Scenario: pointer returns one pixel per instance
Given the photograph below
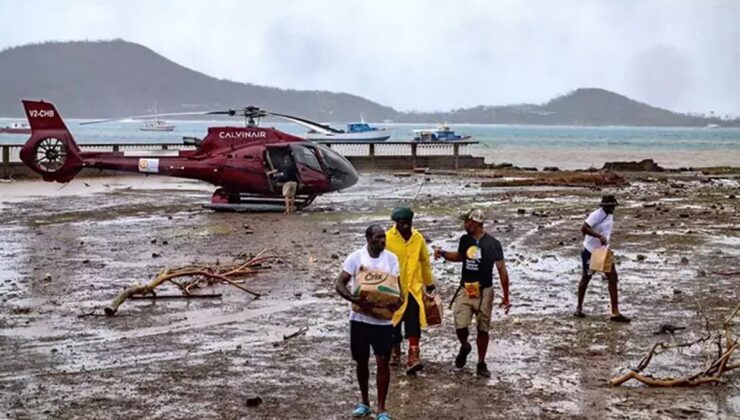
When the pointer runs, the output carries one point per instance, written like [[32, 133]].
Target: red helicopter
[[239, 160]]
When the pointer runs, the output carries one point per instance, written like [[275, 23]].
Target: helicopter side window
[[307, 156]]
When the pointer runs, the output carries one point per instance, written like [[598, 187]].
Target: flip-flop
[[383, 416], [361, 410], [579, 314]]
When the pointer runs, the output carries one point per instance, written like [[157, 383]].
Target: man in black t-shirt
[[479, 252]]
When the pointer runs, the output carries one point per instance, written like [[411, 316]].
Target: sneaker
[[482, 370], [414, 364], [620, 318], [462, 356]]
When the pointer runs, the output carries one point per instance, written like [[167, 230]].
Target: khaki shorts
[[481, 307], [289, 189]]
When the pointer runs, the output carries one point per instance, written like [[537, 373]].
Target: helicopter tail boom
[[51, 150]]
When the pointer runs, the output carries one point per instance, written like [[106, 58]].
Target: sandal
[[383, 416], [620, 318], [361, 410]]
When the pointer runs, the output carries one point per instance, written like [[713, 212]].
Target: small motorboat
[[16, 128], [156, 125], [359, 132], [441, 133]]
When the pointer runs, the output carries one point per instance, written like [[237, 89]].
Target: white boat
[[713, 126], [441, 133], [156, 125], [16, 128], [359, 132]]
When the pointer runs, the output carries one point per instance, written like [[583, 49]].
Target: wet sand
[[204, 358]]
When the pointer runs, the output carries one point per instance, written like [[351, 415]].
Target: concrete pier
[[383, 156]]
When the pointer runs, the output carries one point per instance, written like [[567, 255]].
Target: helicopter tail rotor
[[51, 150]]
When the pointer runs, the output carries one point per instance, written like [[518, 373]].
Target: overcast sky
[[426, 55]]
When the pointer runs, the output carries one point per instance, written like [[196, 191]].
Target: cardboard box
[[380, 290], [433, 309], [602, 260]]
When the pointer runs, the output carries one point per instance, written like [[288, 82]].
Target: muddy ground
[[205, 358]]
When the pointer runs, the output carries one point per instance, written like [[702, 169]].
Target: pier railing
[[371, 151]]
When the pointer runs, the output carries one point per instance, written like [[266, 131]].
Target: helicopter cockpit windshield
[[341, 172]]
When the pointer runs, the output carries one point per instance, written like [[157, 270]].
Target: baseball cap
[[609, 200], [475, 215]]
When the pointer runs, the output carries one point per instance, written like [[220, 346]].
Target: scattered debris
[[300, 331], [190, 296], [726, 273], [645, 165], [712, 374], [668, 329], [199, 275]]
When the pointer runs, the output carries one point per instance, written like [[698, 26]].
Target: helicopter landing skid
[[255, 203]]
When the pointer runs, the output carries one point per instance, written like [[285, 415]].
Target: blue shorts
[[586, 260]]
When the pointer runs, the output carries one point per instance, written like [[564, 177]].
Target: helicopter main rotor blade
[[149, 116], [249, 112], [321, 128]]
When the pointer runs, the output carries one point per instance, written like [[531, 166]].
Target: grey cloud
[[426, 55]]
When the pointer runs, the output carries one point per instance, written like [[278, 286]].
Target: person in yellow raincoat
[[416, 273]]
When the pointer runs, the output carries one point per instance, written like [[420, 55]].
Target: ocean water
[[538, 146]]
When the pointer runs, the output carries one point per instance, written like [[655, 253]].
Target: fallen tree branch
[[712, 374], [726, 273], [199, 274], [183, 296]]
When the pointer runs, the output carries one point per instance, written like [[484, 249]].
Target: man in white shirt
[[597, 230], [365, 330]]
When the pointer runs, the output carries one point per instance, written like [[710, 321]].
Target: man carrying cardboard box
[[597, 230], [371, 266]]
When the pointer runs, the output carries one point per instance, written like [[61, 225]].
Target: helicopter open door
[[311, 173]]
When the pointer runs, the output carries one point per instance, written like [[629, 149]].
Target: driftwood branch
[[712, 374], [183, 296], [300, 331], [197, 275]]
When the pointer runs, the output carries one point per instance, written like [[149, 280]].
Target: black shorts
[[362, 336], [586, 262], [410, 321]]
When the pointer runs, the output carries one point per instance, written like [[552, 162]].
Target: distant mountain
[[585, 106], [119, 78]]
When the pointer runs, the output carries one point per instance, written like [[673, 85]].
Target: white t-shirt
[[600, 222], [386, 262]]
